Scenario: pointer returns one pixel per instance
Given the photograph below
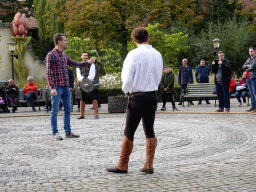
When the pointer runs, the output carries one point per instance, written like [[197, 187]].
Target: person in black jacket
[[222, 70], [12, 92], [71, 85], [167, 84], [202, 76]]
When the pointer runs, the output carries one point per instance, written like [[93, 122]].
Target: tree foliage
[[247, 9], [8, 8], [47, 13], [104, 21], [235, 41], [169, 45]]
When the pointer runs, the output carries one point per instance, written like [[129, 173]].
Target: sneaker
[[175, 109], [219, 110], [13, 110], [208, 102], [239, 104], [34, 109], [245, 104], [199, 103], [249, 110], [191, 103], [163, 109], [80, 117], [57, 137], [71, 135], [227, 110], [96, 117], [180, 103]]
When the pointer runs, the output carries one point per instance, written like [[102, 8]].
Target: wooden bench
[[199, 90], [204, 90], [38, 101]]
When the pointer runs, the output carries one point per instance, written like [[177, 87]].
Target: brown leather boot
[[95, 107], [122, 164], [82, 108], [150, 152]]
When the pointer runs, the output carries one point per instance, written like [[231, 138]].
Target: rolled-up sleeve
[[127, 76], [49, 70]]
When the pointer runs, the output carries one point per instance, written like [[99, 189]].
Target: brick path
[[198, 150]]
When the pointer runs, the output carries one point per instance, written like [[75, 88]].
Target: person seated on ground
[[12, 92], [47, 97], [242, 90], [167, 84], [232, 86], [30, 91]]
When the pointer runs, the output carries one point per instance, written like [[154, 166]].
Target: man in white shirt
[[141, 75], [89, 73]]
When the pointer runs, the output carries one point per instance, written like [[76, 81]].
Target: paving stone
[[197, 151]]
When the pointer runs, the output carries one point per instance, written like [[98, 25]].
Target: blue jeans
[[181, 93], [31, 96], [222, 91], [242, 94], [251, 83], [64, 94]]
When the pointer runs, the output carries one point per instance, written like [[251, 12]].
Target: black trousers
[[141, 106], [165, 97], [92, 95]]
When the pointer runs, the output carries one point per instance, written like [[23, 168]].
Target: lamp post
[[216, 44], [12, 45]]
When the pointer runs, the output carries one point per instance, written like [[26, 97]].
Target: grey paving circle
[[195, 152]]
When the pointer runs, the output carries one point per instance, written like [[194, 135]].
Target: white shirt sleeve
[[78, 74], [128, 73], [92, 73]]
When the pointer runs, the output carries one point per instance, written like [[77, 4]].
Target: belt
[[142, 93]]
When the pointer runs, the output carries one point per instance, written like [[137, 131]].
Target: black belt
[[142, 93]]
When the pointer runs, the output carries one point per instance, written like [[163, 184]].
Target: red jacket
[[29, 87], [232, 84]]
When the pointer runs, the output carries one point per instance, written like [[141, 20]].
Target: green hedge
[[104, 93]]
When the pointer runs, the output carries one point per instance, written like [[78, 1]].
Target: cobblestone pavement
[[197, 151]]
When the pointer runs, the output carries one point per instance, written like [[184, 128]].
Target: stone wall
[[36, 68]]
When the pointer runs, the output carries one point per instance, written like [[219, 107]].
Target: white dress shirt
[[90, 76], [142, 70]]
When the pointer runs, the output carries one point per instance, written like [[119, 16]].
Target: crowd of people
[[146, 62], [221, 67]]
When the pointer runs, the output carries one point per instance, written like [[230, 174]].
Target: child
[[47, 97]]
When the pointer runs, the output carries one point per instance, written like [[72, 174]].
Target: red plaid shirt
[[57, 68]]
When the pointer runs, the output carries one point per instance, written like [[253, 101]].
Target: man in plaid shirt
[[57, 75]]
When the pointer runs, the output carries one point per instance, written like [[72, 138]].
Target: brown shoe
[[150, 153], [122, 164]]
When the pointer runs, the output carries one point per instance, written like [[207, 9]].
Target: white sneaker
[[57, 137], [245, 104]]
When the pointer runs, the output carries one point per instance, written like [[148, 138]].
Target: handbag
[[240, 87]]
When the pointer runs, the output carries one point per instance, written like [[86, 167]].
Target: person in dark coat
[[12, 92], [222, 70], [167, 84], [202, 76], [185, 76], [47, 96], [71, 85]]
